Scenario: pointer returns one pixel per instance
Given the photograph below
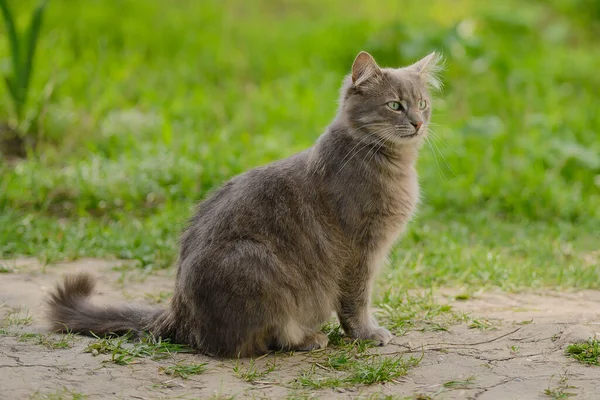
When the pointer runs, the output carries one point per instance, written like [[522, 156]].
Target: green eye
[[422, 104], [394, 105]]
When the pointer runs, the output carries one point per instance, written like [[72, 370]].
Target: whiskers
[[431, 138], [376, 138], [385, 136], [381, 134]]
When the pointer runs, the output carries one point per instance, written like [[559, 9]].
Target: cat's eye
[[422, 104], [395, 105]]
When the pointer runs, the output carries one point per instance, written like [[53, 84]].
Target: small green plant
[[351, 367], [401, 312], [460, 383], [586, 353], [334, 333], [380, 369], [184, 371], [561, 390], [48, 341], [64, 394], [123, 351], [462, 296], [482, 324], [340, 361], [526, 322], [22, 52], [16, 316], [252, 373]]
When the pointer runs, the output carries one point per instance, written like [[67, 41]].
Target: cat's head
[[390, 104]]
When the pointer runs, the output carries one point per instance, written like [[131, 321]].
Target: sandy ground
[[516, 360]]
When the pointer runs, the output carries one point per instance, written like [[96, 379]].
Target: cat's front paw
[[378, 335]]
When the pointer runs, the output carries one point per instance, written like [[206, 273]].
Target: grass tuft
[[401, 312], [334, 333], [586, 353], [16, 316], [184, 371], [50, 341], [378, 369], [63, 394], [481, 323], [252, 372], [353, 365], [124, 351], [562, 390], [460, 384]]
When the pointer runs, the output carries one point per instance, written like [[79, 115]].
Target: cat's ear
[[364, 68], [429, 68]]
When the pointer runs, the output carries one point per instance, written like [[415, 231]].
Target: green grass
[[252, 372], [460, 384], [49, 341], [351, 363], [563, 390], [184, 371], [124, 351], [64, 394], [586, 353], [481, 323], [17, 82], [142, 123], [350, 369], [401, 311], [16, 317]]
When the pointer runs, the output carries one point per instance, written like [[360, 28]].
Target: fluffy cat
[[269, 256]]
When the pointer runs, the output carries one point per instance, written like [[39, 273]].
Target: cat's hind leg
[[294, 337]]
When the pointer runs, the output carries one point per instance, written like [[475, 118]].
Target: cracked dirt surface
[[521, 358]]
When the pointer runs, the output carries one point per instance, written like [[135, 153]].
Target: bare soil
[[520, 357]]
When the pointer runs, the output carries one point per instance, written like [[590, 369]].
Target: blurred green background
[[140, 107]]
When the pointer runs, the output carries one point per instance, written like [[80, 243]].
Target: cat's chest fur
[[372, 201], [385, 206], [397, 202]]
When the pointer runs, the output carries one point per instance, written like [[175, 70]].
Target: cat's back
[[266, 200]]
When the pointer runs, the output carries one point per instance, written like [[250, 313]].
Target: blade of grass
[[10, 83], [12, 35], [13, 83], [32, 38]]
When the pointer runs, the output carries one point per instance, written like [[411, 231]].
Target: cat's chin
[[409, 136], [410, 140]]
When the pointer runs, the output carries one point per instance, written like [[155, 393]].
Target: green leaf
[[13, 85], [12, 36], [10, 83], [32, 38]]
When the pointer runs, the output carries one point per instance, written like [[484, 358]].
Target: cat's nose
[[417, 124]]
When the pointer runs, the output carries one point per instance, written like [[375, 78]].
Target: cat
[[269, 256]]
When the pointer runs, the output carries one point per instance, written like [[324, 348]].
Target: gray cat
[[272, 253]]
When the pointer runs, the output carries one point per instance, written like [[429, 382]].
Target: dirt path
[[521, 358]]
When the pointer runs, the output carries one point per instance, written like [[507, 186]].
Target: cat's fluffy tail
[[72, 311]]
